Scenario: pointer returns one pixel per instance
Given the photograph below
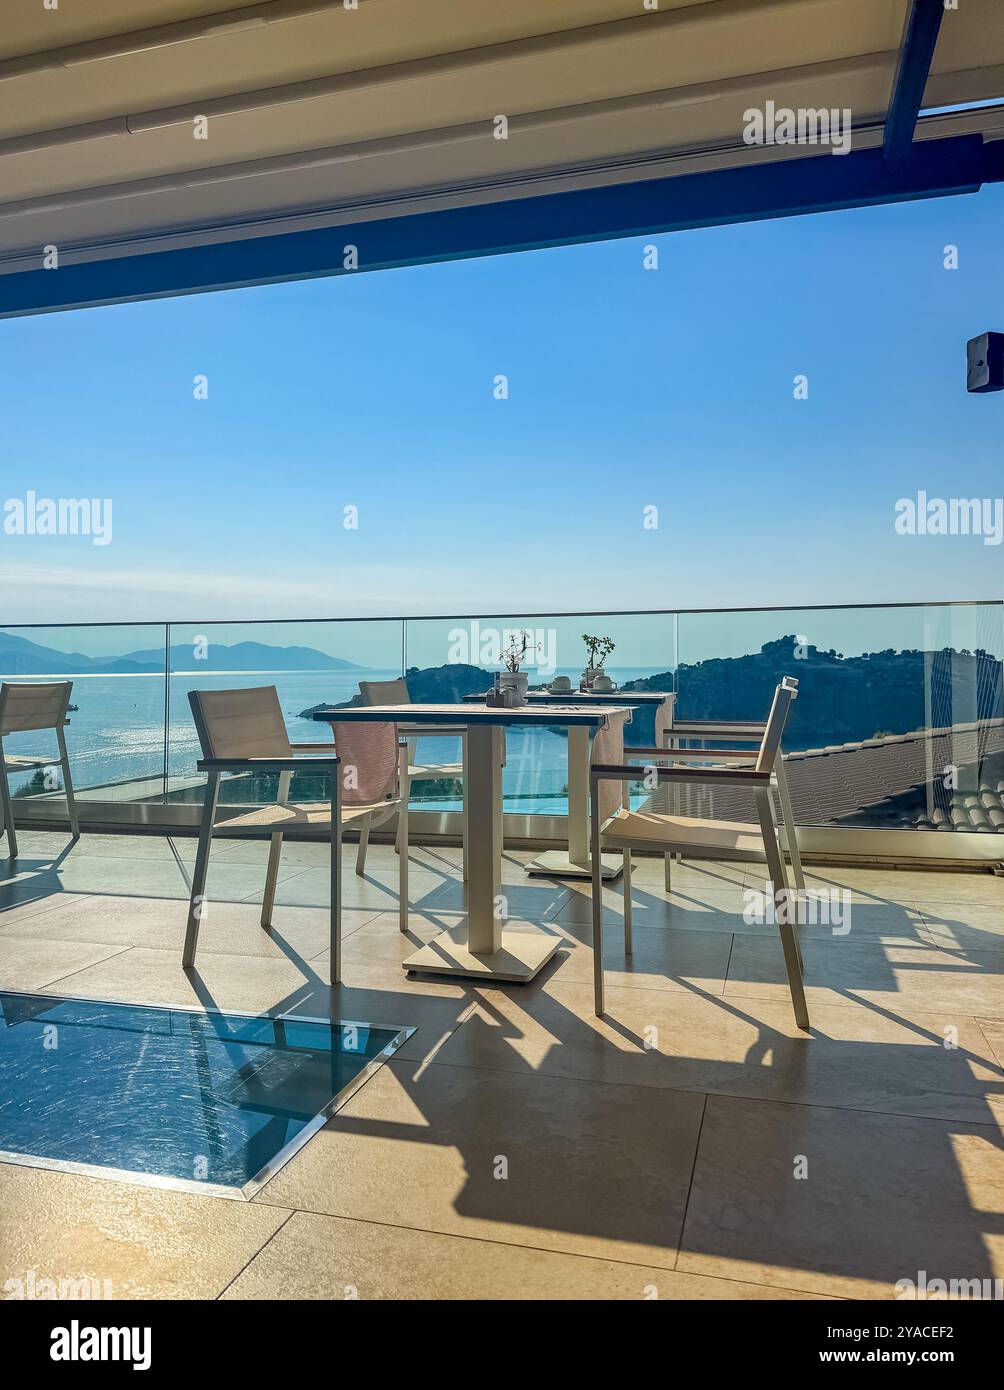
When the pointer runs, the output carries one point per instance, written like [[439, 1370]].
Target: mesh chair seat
[[302, 815], [425, 772], [648, 827], [24, 762]]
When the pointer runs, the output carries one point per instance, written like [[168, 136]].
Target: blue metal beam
[[785, 188], [916, 52]]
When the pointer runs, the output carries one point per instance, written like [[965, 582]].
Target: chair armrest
[[706, 755], [736, 776], [312, 747], [432, 730], [327, 764], [696, 728]]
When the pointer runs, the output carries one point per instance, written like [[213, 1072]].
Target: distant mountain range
[[841, 699], [21, 657]]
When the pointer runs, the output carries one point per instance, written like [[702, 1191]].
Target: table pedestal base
[[522, 954], [556, 864]]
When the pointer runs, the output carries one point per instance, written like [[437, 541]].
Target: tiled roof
[[900, 782]]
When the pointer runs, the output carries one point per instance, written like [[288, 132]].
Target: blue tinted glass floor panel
[[184, 1098]]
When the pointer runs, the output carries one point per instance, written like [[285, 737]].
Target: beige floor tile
[[239, 983], [589, 1170], [993, 1031], [37, 844], [17, 908], [159, 923], [147, 1243], [965, 927], [534, 899], [697, 876], [885, 1197], [30, 965], [894, 976], [325, 1257], [448, 860], [720, 910], [133, 877], [747, 911], [855, 1056], [378, 892], [917, 886], [298, 854], [661, 959], [163, 848]]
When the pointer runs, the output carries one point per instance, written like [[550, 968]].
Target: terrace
[[487, 1139], [695, 1060]]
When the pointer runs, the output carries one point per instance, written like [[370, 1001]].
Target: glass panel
[[448, 658], [310, 664], [204, 1097], [116, 735], [898, 719]]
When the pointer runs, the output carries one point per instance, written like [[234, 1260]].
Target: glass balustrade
[[899, 722]]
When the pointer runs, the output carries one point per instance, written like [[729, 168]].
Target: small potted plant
[[597, 651], [513, 655]]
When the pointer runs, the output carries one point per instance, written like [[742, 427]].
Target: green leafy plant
[[598, 649]]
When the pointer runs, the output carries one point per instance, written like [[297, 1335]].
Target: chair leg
[[274, 852], [196, 905], [8, 809], [463, 764], [71, 801], [364, 840], [402, 867], [790, 835], [628, 944], [597, 873], [782, 900], [335, 924]]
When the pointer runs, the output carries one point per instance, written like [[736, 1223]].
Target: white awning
[[315, 107]]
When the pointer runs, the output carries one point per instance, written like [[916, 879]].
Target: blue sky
[[628, 388]]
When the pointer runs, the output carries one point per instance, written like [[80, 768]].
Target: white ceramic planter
[[515, 680]]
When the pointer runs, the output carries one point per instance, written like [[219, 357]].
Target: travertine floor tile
[[562, 1165], [160, 923], [894, 976], [324, 1257], [855, 1056], [30, 965], [883, 1197], [146, 1242]]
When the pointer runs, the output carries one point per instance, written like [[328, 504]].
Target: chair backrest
[[369, 761], [33, 706], [770, 745], [608, 747], [393, 692], [240, 723]]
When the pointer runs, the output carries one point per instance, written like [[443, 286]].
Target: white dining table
[[574, 861], [486, 948]]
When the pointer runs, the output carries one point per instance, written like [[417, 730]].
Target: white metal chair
[[395, 692], [244, 731], [23, 709], [748, 731], [654, 828]]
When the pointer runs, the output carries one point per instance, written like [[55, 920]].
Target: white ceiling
[[314, 107]]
